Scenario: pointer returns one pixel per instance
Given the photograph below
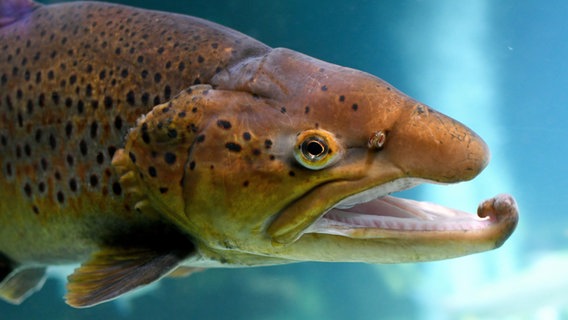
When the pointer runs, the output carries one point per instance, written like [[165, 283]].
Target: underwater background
[[501, 68]]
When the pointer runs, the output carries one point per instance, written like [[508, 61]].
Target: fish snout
[[427, 144]]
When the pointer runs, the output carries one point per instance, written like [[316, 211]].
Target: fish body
[[139, 142]]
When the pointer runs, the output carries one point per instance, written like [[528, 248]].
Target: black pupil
[[314, 148]]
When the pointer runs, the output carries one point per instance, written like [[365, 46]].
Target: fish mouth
[[387, 215], [375, 214]]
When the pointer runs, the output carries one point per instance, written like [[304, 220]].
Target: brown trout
[[143, 144]]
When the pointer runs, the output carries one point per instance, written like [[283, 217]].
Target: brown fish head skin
[[285, 138]]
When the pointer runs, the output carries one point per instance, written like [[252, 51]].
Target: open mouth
[[386, 214], [374, 214]]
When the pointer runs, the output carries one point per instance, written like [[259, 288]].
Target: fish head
[[288, 158]]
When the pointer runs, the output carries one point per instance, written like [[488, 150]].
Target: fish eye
[[316, 149]]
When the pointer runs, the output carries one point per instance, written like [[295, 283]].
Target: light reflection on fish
[[144, 143]]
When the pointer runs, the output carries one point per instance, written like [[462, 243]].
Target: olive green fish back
[[73, 79]]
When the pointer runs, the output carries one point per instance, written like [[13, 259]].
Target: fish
[[143, 144]]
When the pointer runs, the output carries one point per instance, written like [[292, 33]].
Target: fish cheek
[[233, 184]]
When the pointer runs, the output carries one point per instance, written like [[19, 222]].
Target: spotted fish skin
[[138, 142], [73, 80]]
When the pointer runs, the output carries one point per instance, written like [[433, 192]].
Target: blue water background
[[497, 66]]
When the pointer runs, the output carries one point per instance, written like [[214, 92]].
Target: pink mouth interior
[[390, 213]]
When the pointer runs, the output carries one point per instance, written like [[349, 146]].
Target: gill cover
[[154, 160]]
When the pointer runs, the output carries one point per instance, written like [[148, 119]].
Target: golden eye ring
[[317, 149]]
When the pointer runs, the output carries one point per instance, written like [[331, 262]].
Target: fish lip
[[398, 217]]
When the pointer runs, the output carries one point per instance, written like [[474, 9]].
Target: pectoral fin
[[17, 285], [114, 271]]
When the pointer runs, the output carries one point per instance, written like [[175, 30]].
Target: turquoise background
[[497, 66]]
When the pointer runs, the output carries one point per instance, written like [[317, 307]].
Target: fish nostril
[[377, 140]]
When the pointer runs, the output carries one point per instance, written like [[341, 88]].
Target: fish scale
[[142, 144], [74, 81]]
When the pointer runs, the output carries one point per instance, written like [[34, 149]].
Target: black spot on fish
[[38, 135], [341, 98], [117, 189], [80, 106], [200, 138], [70, 160], [167, 92], [163, 190], [152, 171], [224, 124], [83, 147], [93, 180], [232, 146], [41, 100], [108, 102], [132, 157], [9, 171], [246, 136], [307, 109], [145, 98], [130, 98], [73, 184], [60, 197], [267, 143], [283, 110], [355, 107], [30, 106], [55, 97], [118, 123], [170, 158], [69, 129], [324, 88], [100, 158], [94, 129], [28, 190], [246, 183], [52, 142], [41, 187], [192, 165], [292, 173]]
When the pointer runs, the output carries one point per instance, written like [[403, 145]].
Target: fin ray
[[114, 271]]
